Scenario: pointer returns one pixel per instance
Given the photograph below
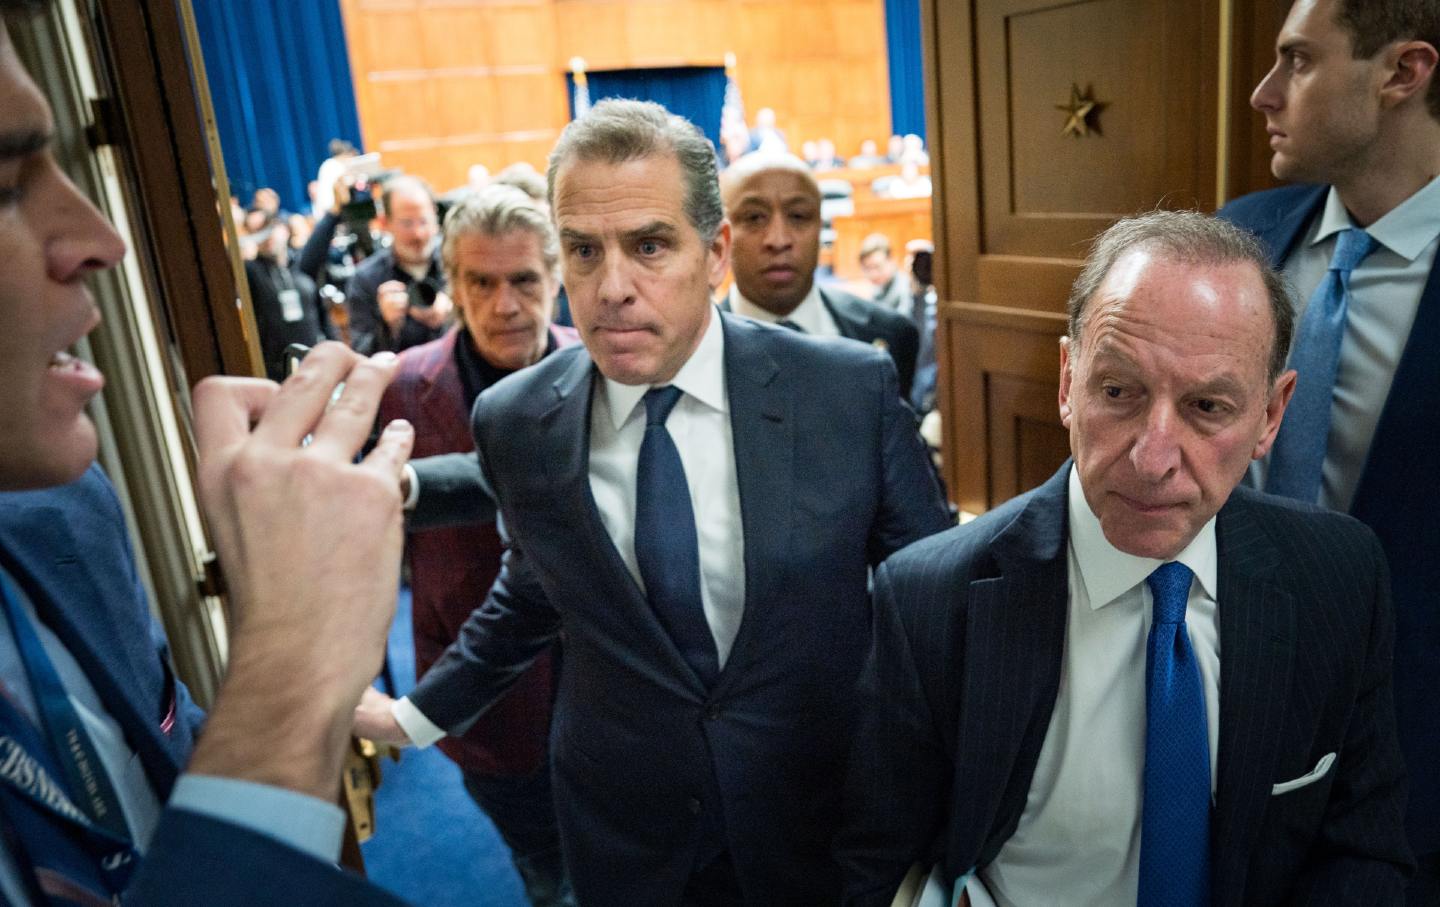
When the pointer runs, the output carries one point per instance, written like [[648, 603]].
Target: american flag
[[732, 113], [581, 101]]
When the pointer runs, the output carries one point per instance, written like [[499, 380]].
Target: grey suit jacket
[[965, 666]]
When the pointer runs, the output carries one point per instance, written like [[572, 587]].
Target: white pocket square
[[1321, 767]]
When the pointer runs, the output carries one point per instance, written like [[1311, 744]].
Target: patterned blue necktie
[[1175, 818], [1299, 455], [665, 542]]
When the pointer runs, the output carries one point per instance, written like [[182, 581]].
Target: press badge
[[290, 305]]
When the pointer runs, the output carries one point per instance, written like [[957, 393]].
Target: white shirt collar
[[810, 314], [702, 377], [1407, 229], [1108, 572]]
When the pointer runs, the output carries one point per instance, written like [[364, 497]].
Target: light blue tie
[[1299, 455], [1175, 816]]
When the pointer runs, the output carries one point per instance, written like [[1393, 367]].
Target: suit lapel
[[1257, 648], [566, 429], [1014, 640], [441, 397], [1286, 225], [852, 323], [763, 434], [70, 602]]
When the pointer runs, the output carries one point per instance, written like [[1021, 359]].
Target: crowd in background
[[361, 264]]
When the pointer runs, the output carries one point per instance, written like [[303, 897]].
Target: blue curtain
[[907, 75], [280, 84], [694, 92]]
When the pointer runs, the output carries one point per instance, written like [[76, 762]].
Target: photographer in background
[[286, 302], [397, 296]]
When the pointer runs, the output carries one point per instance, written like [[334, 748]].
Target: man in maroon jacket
[[500, 254]]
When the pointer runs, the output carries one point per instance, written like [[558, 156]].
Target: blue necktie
[[665, 542], [1175, 818], [1299, 455]]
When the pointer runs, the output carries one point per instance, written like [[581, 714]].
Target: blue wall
[[280, 84]]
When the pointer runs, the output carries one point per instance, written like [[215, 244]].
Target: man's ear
[[1411, 66], [718, 255], [1065, 411], [1280, 395]]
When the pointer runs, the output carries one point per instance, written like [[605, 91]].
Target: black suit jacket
[[958, 692], [872, 323], [832, 479], [867, 322], [1398, 496]]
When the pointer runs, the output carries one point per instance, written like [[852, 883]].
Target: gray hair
[[616, 131], [1192, 238], [523, 177], [497, 211]]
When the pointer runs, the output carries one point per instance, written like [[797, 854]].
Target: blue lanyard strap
[[88, 784], [73, 862]]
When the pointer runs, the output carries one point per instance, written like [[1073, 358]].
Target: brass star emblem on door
[[1082, 110]]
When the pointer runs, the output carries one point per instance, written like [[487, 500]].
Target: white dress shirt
[[304, 823], [700, 426], [1384, 298], [810, 315], [1078, 840]]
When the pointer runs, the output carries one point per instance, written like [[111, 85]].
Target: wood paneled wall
[[443, 84]]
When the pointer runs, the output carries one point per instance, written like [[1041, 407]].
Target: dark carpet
[[433, 845]]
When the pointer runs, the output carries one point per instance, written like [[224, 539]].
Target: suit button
[[694, 806], [713, 713]]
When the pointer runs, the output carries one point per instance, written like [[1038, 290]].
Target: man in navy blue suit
[[696, 499], [94, 728], [1352, 108], [1138, 683]]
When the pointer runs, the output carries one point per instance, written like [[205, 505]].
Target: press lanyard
[[85, 796]]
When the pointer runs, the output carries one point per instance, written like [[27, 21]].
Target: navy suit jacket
[[1398, 496], [958, 693], [832, 479], [68, 547], [869, 322]]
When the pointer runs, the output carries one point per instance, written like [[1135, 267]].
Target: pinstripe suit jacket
[[1397, 496], [965, 665]]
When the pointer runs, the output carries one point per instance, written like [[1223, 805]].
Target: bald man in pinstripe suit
[[1015, 703]]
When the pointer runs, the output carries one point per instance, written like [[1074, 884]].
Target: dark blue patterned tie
[[1175, 818], [665, 541], [1299, 456]]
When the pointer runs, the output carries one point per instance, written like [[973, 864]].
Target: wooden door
[[1019, 196]]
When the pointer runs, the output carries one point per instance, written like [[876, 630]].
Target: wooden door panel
[[1045, 193], [1027, 440], [1018, 200], [1001, 367]]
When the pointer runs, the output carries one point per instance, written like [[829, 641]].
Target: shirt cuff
[[299, 821], [414, 495], [421, 730]]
